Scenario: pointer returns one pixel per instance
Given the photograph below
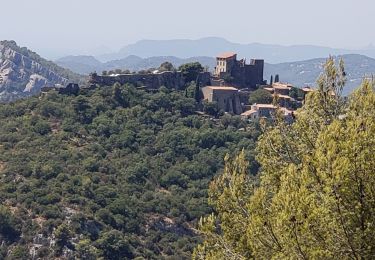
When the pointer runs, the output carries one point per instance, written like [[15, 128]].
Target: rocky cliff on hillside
[[24, 73]]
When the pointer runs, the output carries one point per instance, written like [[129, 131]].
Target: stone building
[[238, 72], [282, 91], [259, 110], [266, 111], [227, 98], [306, 90], [225, 62]]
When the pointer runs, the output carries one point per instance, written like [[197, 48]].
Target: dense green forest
[[112, 173]]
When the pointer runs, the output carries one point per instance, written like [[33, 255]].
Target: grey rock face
[[21, 76]]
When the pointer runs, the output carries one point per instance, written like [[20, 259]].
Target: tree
[[86, 251], [19, 252], [271, 80], [194, 91], [316, 194], [210, 108], [190, 71], [228, 195], [83, 109], [277, 78], [166, 66], [8, 225], [117, 95], [63, 235], [113, 245], [296, 93], [260, 96]]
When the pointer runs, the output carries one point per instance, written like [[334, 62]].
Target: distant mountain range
[[88, 64], [212, 46], [302, 73], [24, 73]]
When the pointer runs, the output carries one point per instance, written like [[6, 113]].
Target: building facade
[[238, 72], [226, 98]]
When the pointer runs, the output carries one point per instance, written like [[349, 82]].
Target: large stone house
[[282, 92], [227, 98], [258, 111]]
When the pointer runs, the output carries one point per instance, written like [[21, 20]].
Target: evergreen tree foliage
[[115, 172], [315, 198], [190, 71], [277, 78], [260, 96]]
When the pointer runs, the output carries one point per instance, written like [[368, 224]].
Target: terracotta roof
[[286, 111], [282, 96], [248, 112], [269, 89], [278, 85], [265, 105], [307, 89], [222, 88], [226, 55]]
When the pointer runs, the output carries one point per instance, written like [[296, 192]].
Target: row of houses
[[228, 99]]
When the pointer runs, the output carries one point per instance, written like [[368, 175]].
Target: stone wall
[[248, 75], [240, 74], [226, 98], [168, 79]]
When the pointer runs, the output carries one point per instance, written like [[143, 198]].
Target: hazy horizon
[[95, 27]]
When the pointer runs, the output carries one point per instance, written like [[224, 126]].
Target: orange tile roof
[[248, 112], [286, 111], [282, 96], [281, 86], [269, 89], [221, 88], [307, 89], [265, 105], [226, 55]]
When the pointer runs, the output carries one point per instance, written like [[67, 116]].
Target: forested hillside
[[115, 172]]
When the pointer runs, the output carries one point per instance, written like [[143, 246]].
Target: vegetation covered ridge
[[112, 173]]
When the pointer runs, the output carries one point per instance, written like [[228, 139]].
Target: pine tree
[[316, 195], [277, 78], [197, 93]]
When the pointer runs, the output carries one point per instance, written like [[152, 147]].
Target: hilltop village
[[229, 87]]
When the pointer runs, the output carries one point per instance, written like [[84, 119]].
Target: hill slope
[[24, 73], [303, 73], [115, 172]]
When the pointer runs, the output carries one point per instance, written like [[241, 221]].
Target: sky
[[61, 27]]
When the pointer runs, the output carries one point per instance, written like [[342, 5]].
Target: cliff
[[24, 73]]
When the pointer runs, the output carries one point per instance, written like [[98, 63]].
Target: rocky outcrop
[[23, 74]]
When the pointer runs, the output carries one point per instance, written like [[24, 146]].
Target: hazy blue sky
[[54, 27]]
